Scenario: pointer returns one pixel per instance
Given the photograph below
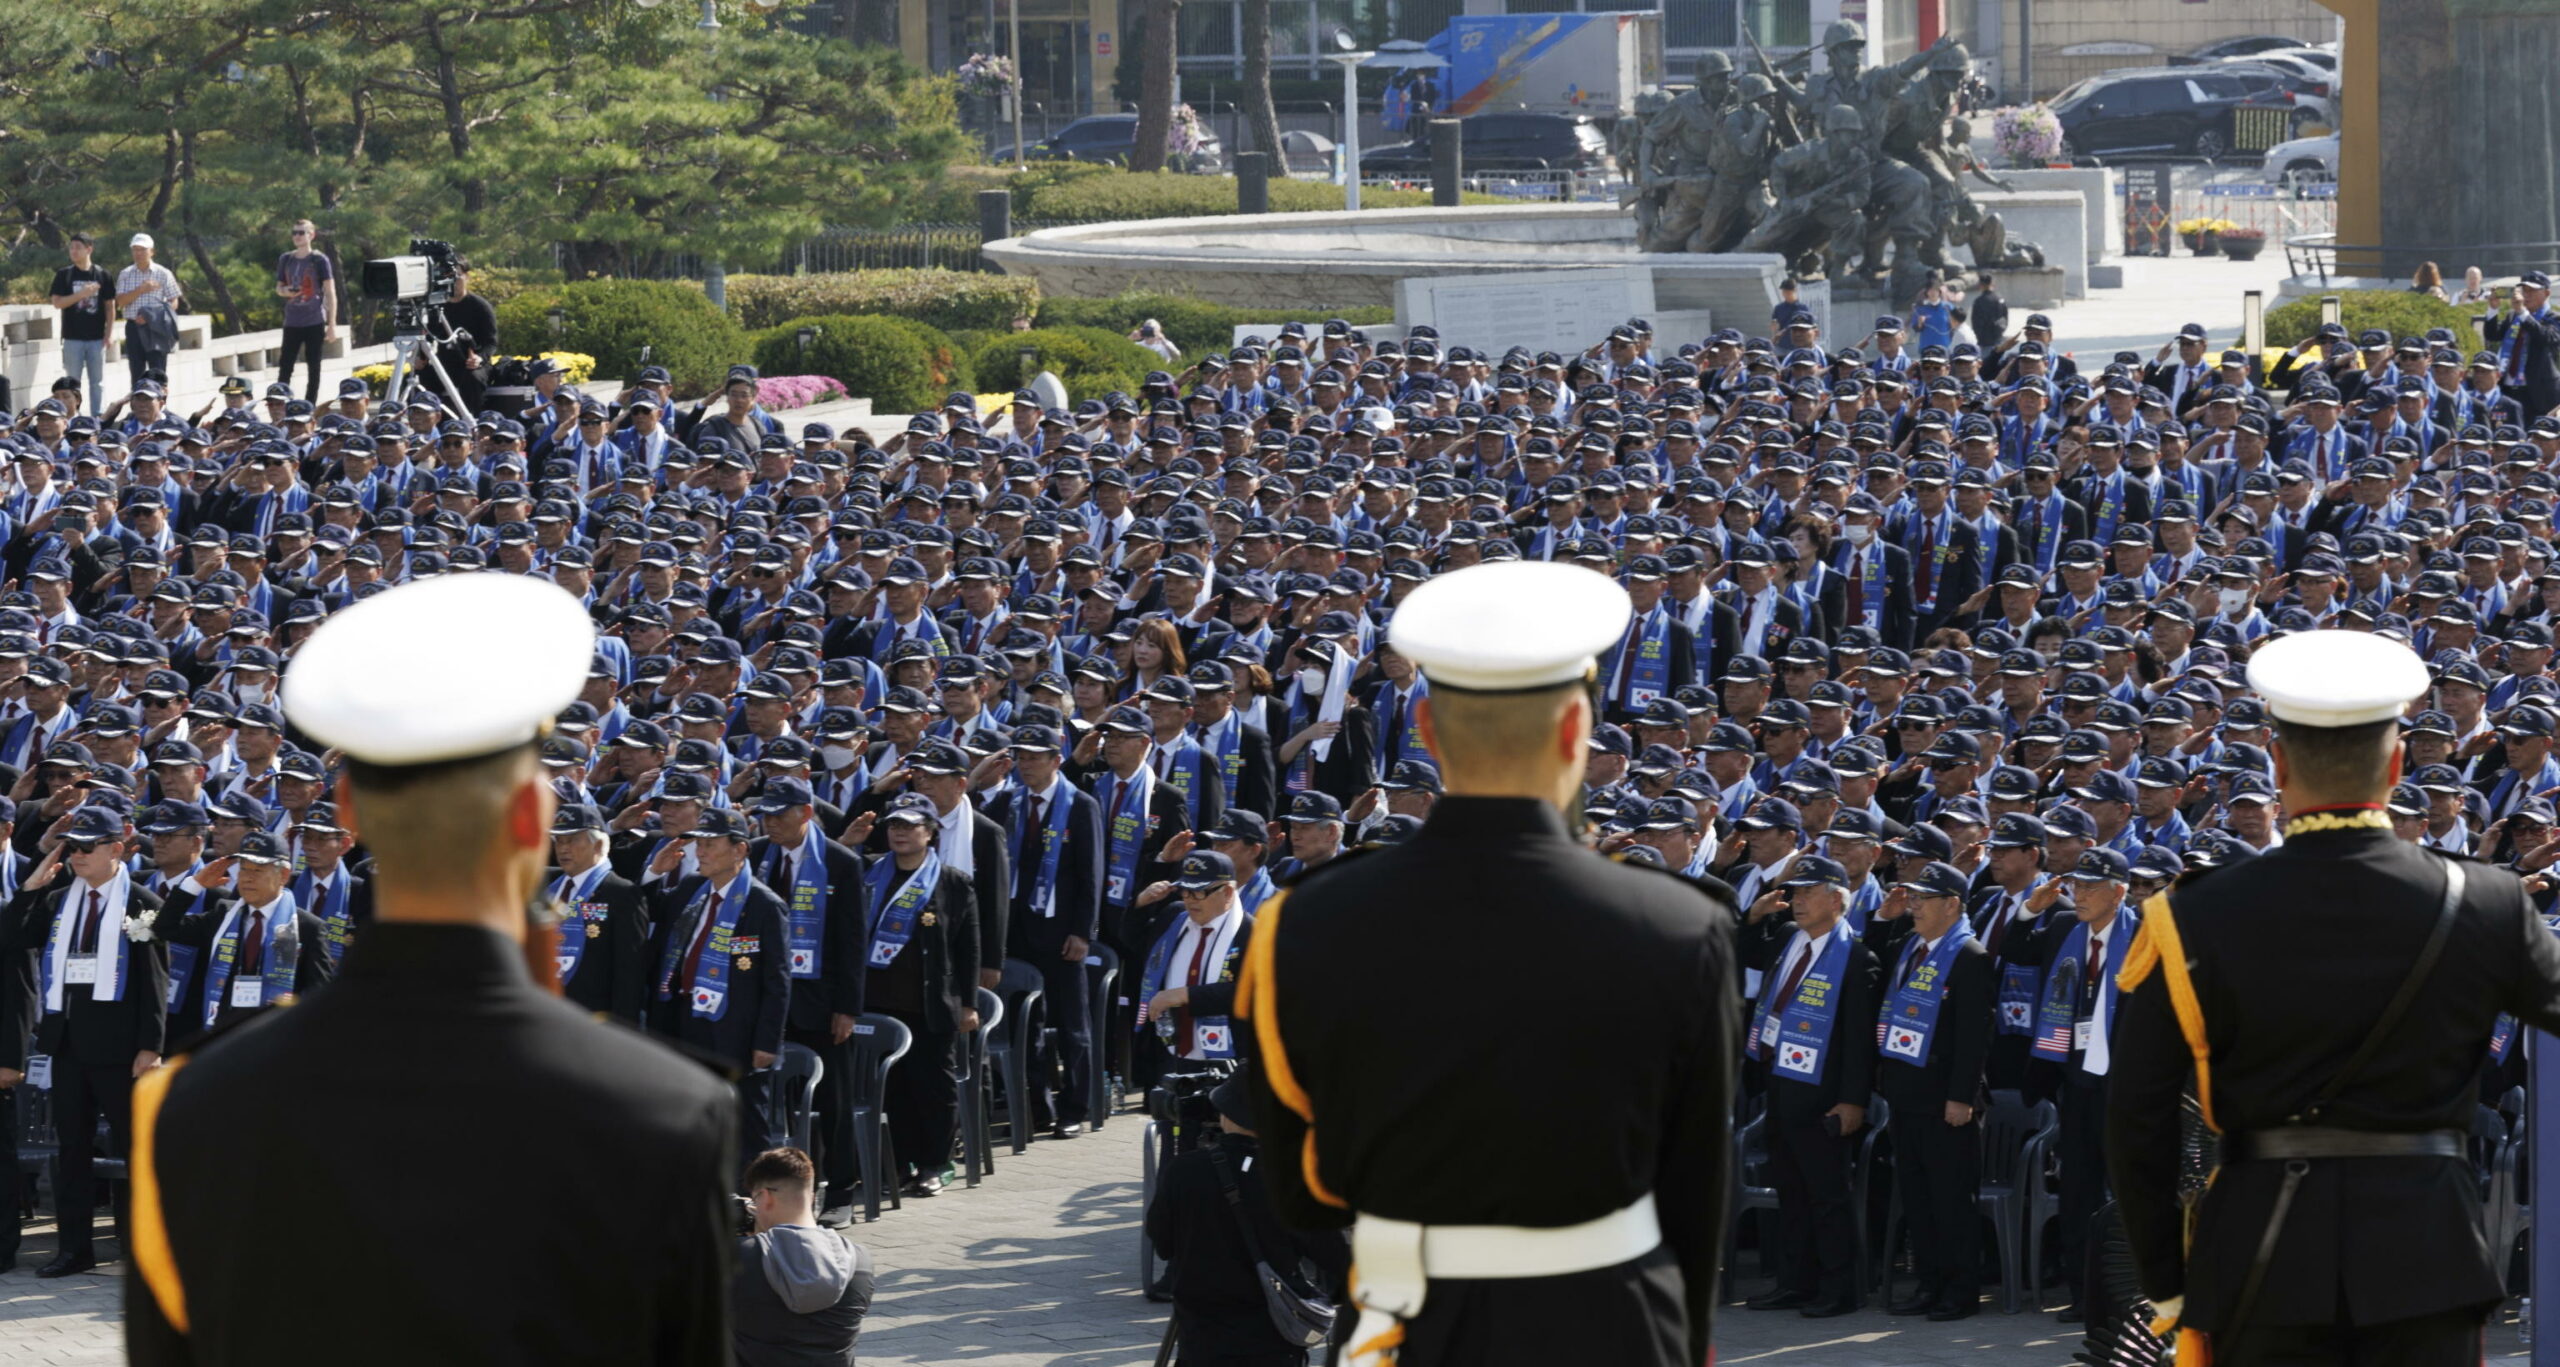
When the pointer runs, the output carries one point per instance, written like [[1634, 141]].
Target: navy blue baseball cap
[[2101, 865], [1937, 878]]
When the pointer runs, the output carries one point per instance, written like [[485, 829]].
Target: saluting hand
[[858, 830], [1180, 845], [46, 870]]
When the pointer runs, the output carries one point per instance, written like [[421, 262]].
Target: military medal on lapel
[[594, 930], [745, 963], [925, 920]]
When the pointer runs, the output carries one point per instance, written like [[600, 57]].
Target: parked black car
[[1108, 138], [2153, 112], [1504, 142]]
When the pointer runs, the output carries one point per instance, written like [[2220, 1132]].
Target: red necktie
[[253, 942], [1910, 962], [2097, 960], [1182, 1014], [1742, 640], [88, 943], [701, 937], [1795, 979]]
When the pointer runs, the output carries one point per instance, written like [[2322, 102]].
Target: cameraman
[[1219, 1316], [800, 1290], [473, 328]]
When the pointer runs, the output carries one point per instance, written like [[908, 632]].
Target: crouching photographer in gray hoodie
[[801, 1289]]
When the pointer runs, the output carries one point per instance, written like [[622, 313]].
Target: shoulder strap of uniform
[[2156, 945], [152, 1256], [1258, 1000]]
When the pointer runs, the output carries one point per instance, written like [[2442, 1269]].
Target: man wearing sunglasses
[[307, 282]]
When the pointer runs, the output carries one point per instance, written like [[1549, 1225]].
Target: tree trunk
[[1155, 92], [1258, 113]]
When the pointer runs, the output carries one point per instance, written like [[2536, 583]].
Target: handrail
[[2318, 253]]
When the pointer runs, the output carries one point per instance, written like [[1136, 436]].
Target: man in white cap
[[387, 1117], [1392, 1103], [147, 294], [2330, 1002]]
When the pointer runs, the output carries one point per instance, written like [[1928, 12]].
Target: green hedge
[[944, 300], [1194, 325], [1090, 361], [612, 320], [2398, 312], [899, 364]]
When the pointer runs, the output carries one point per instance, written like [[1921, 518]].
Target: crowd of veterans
[[1939, 662]]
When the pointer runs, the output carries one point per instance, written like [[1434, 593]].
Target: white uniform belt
[[1395, 1260]]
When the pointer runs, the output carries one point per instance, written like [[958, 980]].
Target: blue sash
[[1400, 726], [1124, 829], [2018, 984], [895, 922], [1225, 741], [2049, 519], [1863, 904], [1053, 844], [2059, 1009], [2110, 509], [804, 904], [580, 921], [1910, 1024], [710, 986], [1800, 1030], [1872, 590], [337, 924], [1647, 675], [1188, 775], [1255, 891], [283, 949], [1217, 1036]]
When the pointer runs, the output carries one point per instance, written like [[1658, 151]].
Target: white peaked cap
[[2336, 678], [1510, 626], [448, 668]]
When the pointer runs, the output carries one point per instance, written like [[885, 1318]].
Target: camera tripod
[[411, 354]]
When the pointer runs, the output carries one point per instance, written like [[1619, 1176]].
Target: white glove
[[2168, 1310]]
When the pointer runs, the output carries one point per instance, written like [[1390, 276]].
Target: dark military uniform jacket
[[2278, 967], [1413, 1049]]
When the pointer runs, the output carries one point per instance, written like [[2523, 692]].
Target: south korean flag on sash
[[1213, 1039], [1802, 1059], [2018, 1015], [802, 961], [1902, 1041], [707, 999]]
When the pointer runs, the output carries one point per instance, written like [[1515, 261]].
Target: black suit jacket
[[837, 986], [88, 1031], [759, 990], [993, 876], [1257, 785], [1963, 1037], [1850, 1074], [613, 974], [1076, 903], [945, 942], [2540, 339], [2292, 955], [1899, 616]]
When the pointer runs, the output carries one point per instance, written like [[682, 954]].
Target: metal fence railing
[[941, 246], [2322, 257]]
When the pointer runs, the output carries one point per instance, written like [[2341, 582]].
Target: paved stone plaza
[[1038, 1268]]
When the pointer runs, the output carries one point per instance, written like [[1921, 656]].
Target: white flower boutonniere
[[138, 928]]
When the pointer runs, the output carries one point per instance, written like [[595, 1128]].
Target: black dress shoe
[[65, 1264], [1780, 1299], [1951, 1310], [2071, 1314], [1068, 1130], [1920, 1304], [925, 1185], [1823, 1310]]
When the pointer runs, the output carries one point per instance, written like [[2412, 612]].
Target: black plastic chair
[[2015, 1138], [795, 1092], [977, 1143], [1751, 1192], [1861, 1178], [1102, 975], [1010, 1052], [878, 1043]]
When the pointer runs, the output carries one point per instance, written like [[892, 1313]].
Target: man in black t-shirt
[[475, 326], [85, 293]]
